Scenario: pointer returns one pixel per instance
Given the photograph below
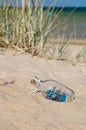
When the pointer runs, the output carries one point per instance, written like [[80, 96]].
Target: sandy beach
[[19, 110]]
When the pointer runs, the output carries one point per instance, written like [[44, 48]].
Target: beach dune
[[21, 110]]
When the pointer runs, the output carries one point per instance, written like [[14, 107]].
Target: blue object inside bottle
[[56, 96], [49, 92], [63, 97]]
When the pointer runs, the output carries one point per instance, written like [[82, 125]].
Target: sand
[[19, 110]]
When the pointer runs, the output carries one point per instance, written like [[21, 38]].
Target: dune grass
[[28, 28], [25, 27]]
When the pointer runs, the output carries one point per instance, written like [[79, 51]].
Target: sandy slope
[[19, 110]]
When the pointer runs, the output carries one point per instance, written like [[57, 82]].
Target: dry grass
[[28, 28], [25, 27]]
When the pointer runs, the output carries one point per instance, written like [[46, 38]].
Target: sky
[[60, 3], [69, 3]]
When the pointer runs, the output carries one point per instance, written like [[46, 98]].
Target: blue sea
[[73, 21]]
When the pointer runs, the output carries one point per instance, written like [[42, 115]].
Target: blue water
[[73, 23]]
